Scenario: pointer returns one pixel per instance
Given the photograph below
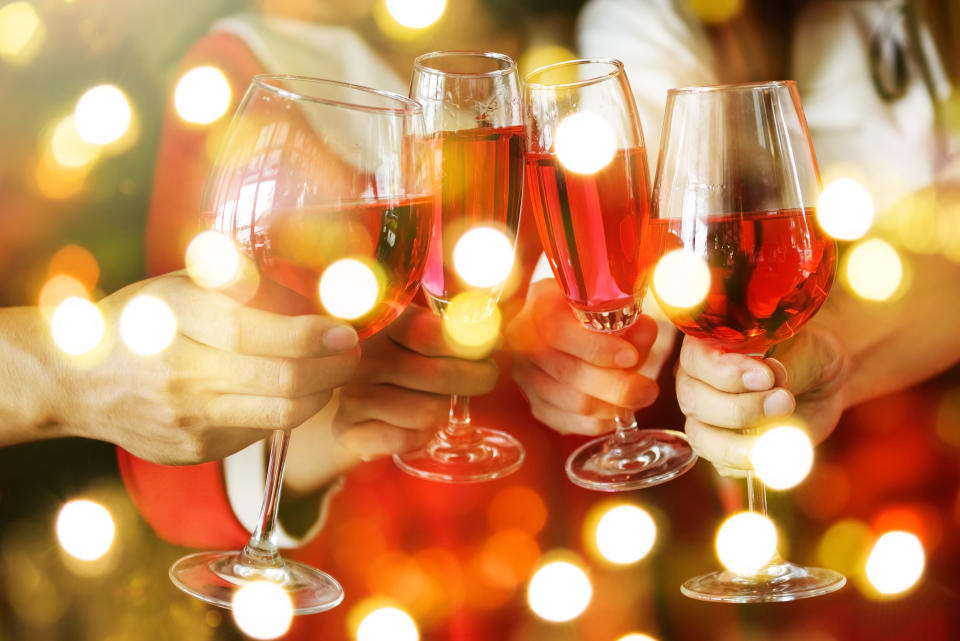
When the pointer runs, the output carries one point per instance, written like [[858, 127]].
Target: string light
[[77, 326], [68, 148], [584, 142], [21, 33], [559, 591], [212, 260], [625, 534], [202, 95], [471, 321], [387, 624], [85, 529], [746, 542], [483, 257], [896, 562], [416, 14], [262, 610], [681, 279], [349, 288], [782, 456], [845, 209], [147, 325], [102, 115], [874, 270]]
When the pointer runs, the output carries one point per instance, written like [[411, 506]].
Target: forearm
[[31, 372], [892, 345]]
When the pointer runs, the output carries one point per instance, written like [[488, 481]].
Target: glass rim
[[407, 107], [419, 64], [733, 86], [617, 69]]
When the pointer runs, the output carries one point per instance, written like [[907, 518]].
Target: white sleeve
[[662, 46]]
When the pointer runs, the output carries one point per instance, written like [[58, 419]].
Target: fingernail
[[778, 403], [625, 358], [779, 371], [340, 338], [756, 379]]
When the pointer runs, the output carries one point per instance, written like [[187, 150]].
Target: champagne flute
[[734, 211], [471, 105], [586, 169], [327, 188]]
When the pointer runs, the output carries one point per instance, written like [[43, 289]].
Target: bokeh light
[[68, 148], [262, 610], [416, 14], [483, 256], [212, 260], [387, 624], [559, 591], [782, 456], [58, 289], [102, 115], [57, 182], [681, 279], [85, 529], [874, 270], [715, 11], [896, 562], [547, 54], [202, 95], [584, 142], [746, 542], [843, 547], [21, 33], [78, 262], [637, 636], [147, 325], [625, 534], [77, 326], [349, 288], [845, 209], [472, 321]]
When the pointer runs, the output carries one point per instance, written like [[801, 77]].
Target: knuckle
[[287, 377], [287, 414]]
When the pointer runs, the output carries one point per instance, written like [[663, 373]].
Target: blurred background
[[86, 84]]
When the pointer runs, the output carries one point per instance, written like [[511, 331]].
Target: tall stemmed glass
[[587, 175], [733, 202], [329, 189], [471, 105]]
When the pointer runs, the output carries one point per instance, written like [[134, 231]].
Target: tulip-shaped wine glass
[[471, 106], [743, 262], [586, 171], [328, 190]]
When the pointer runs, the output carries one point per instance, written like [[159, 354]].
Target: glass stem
[[459, 431], [261, 551], [627, 430]]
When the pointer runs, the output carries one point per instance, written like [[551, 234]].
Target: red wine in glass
[[482, 186], [591, 226], [770, 271], [296, 246]]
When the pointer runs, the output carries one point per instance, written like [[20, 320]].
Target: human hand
[[401, 392], [574, 378], [723, 394], [230, 376]]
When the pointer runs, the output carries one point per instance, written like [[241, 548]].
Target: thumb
[[811, 360]]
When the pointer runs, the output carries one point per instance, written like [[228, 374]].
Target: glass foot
[[607, 465], [490, 454], [781, 581], [215, 577]]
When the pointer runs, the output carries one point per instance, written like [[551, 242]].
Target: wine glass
[[471, 105], [328, 189], [586, 169], [734, 217]]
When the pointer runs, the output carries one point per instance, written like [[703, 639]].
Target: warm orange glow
[[896, 562], [508, 557], [77, 262], [58, 289], [746, 542], [262, 609], [68, 148], [202, 95], [57, 182], [517, 507], [559, 591], [85, 529], [21, 33]]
